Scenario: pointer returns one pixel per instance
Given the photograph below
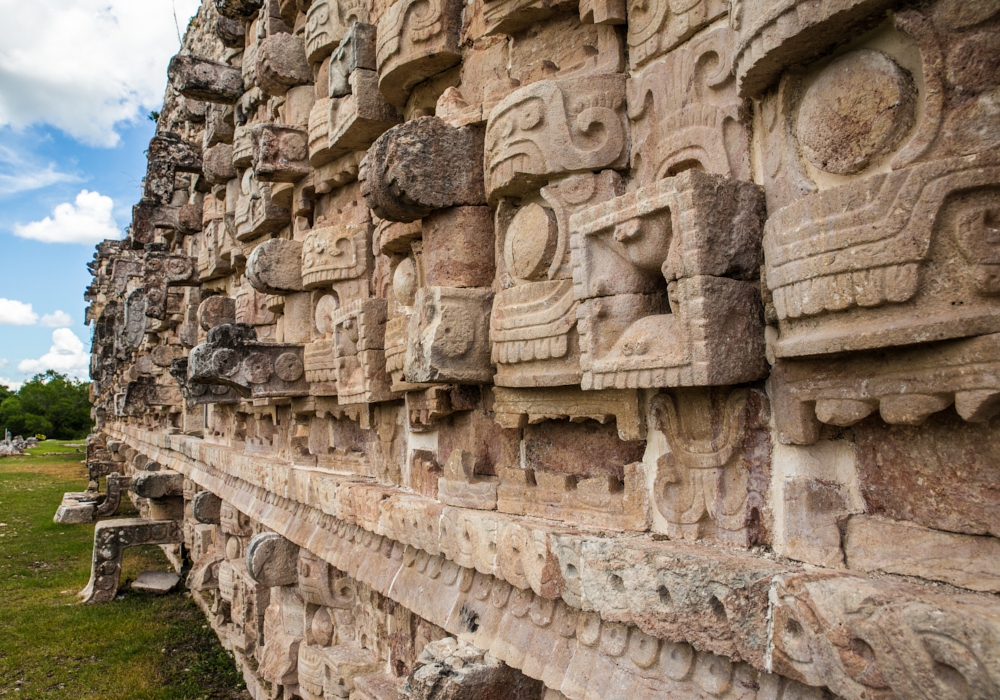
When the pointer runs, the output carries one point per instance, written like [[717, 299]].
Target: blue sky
[[77, 81]]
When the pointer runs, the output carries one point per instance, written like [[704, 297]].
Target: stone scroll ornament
[[111, 539], [884, 238], [555, 127]]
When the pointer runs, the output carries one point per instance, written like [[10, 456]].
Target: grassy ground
[[135, 648]]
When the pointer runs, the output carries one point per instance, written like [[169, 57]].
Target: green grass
[[136, 648]]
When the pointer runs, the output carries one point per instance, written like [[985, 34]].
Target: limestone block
[[283, 634], [429, 406], [355, 120], [219, 126], [906, 640], [147, 217], [448, 336], [280, 153], [713, 482], [230, 32], [873, 544], [233, 357], [215, 311], [376, 686], [243, 146], [423, 165], [205, 80], [462, 487], [322, 584], [206, 507], [281, 64], [904, 386], [600, 501], [218, 168], [536, 134], [157, 484], [458, 247], [145, 394], [629, 340], [655, 29], [328, 23], [682, 116], [275, 267], [415, 42], [469, 538], [355, 51], [256, 211], [326, 672], [359, 352], [272, 560], [815, 511], [331, 254], [397, 237], [156, 582], [111, 538], [517, 408], [448, 669]]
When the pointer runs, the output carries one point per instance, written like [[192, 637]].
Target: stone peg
[[158, 484], [218, 166], [206, 508], [272, 560], [423, 165], [281, 64], [215, 311], [205, 80], [275, 267], [238, 9]]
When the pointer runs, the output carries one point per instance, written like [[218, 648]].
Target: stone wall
[[587, 349]]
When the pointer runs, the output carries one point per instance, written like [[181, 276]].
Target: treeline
[[50, 404]]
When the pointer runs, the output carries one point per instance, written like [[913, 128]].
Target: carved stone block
[[327, 24], [111, 538], [326, 672], [552, 128], [281, 64], [205, 80], [218, 168], [331, 254], [423, 165], [360, 117], [272, 560], [416, 41], [238, 9], [256, 211], [462, 487], [232, 356], [275, 267], [160, 271], [517, 408], [458, 247], [359, 352], [280, 153], [449, 336]]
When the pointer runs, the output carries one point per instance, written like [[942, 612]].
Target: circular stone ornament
[[288, 367], [531, 242], [857, 110]]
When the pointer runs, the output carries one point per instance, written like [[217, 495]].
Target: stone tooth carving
[[243, 146], [281, 64], [552, 128], [232, 356], [328, 22], [415, 41], [658, 26], [700, 234], [256, 212], [904, 386], [903, 642], [331, 254], [423, 165], [322, 584], [449, 336], [330, 672], [685, 113], [111, 538], [517, 408], [272, 560], [275, 267], [205, 80], [704, 485], [161, 271], [356, 51], [280, 153]]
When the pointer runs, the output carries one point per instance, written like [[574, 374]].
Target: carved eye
[[530, 117]]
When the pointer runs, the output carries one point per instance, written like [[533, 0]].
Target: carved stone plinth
[[111, 538]]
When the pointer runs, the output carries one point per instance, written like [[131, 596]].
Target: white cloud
[[88, 221], [4, 362], [11, 384], [16, 313], [20, 173], [84, 66], [57, 319], [66, 356]]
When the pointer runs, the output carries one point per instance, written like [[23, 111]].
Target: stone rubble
[[596, 349]]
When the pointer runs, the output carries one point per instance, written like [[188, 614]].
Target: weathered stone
[[281, 64], [449, 337], [275, 267], [205, 80], [458, 247], [280, 154], [423, 165], [156, 582], [215, 311], [272, 560]]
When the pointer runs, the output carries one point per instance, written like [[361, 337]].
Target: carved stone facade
[[568, 350]]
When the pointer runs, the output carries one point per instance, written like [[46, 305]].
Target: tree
[[51, 403]]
